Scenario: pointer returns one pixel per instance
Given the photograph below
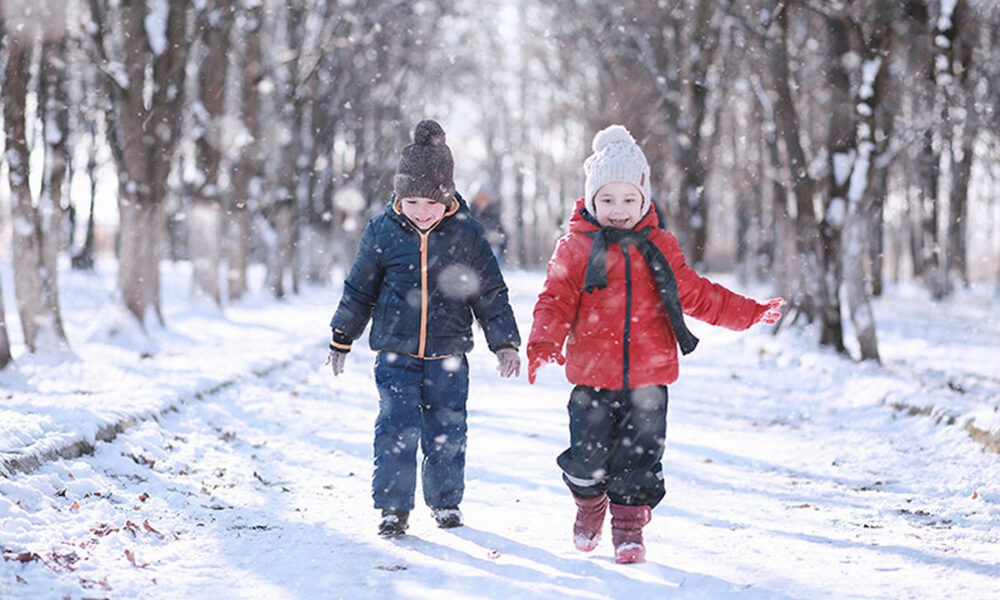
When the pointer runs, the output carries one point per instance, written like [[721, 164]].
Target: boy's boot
[[589, 521], [394, 523], [447, 516], [626, 532]]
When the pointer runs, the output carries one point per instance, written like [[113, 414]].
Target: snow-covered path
[[788, 476]]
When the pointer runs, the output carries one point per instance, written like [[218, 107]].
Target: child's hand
[[508, 362], [768, 312], [336, 361], [541, 353]]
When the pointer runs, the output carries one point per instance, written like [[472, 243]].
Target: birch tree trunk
[[841, 152], [870, 145]]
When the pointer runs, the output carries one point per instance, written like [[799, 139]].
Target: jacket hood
[[581, 221]]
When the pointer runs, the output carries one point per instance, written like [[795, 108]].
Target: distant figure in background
[[486, 210]]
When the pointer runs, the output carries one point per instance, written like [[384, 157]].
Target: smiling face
[[423, 212], [618, 204]]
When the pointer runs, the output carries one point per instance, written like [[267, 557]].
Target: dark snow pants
[[617, 439], [421, 403]]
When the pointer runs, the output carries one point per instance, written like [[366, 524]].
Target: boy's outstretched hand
[[768, 312], [508, 362], [336, 361], [541, 353]]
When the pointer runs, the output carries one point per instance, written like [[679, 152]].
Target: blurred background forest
[[826, 147]]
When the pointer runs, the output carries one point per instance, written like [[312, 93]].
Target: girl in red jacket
[[618, 288]]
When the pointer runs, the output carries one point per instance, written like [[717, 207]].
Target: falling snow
[[782, 460]]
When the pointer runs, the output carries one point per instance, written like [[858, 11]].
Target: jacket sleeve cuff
[[340, 342], [498, 347]]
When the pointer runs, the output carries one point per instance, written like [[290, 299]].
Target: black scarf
[[663, 274]]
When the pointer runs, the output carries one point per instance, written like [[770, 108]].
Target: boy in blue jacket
[[423, 270]]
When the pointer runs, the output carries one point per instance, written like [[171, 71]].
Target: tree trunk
[[37, 302], [143, 132], [694, 201], [206, 209], [84, 259], [869, 141], [283, 221], [780, 244], [956, 258], [141, 236], [317, 216], [883, 107], [5, 356], [811, 291], [283, 212], [842, 152], [929, 158], [54, 113], [879, 191], [247, 172]]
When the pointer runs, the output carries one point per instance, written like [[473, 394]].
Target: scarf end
[[688, 345]]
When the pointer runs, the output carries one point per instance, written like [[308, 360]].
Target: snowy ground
[[789, 473]]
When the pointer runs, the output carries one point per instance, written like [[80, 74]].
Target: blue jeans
[[421, 402], [617, 438]]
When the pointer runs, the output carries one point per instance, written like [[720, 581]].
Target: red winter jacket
[[620, 336]]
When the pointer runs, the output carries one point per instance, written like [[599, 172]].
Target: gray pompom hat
[[426, 167], [616, 157]]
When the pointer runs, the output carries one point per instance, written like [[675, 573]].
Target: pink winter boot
[[626, 532], [589, 521]]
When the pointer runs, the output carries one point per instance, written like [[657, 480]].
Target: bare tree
[[144, 78], [34, 275], [205, 234], [812, 289], [840, 151], [963, 77], [863, 193], [282, 208], [53, 108], [5, 356], [247, 172]]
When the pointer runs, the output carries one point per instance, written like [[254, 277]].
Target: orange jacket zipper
[[423, 292]]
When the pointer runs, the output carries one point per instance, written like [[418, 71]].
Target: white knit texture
[[616, 157]]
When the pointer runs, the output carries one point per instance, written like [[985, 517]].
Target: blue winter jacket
[[421, 289]]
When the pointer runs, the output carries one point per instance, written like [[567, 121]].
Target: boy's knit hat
[[616, 157], [426, 168]]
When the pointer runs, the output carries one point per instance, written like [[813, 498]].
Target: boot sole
[[391, 535], [586, 543], [630, 554]]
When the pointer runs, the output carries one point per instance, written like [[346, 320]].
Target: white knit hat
[[616, 157]]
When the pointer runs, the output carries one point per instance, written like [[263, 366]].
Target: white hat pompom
[[611, 135]]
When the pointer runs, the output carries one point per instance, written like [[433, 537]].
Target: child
[[617, 286], [424, 268]]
